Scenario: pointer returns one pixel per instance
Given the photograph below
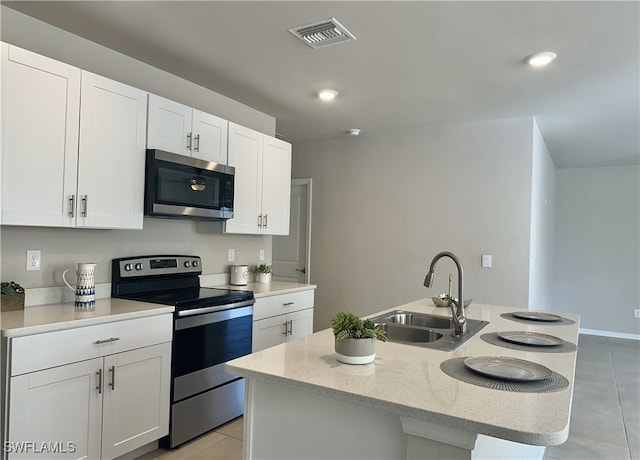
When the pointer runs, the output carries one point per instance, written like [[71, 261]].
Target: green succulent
[[264, 268], [11, 288], [346, 325]]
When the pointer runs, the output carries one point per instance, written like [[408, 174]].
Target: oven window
[[206, 345]]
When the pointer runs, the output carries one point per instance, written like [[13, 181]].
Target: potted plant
[[263, 273], [12, 296], [355, 338]]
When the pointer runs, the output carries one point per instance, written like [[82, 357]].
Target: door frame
[[309, 183]]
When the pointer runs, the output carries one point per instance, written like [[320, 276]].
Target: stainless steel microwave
[[179, 186]]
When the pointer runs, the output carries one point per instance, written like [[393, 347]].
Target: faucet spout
[[458, 312]]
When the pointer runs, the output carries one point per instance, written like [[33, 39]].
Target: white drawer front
[[42, 351], [266, 307]]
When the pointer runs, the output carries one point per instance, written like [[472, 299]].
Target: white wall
[[541, 258], [64, 248], [386, 203], [597, 241]]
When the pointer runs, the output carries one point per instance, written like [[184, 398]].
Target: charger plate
[[531, 338], [507, 368], [537, 316]]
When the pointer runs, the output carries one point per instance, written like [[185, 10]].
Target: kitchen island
[[301, 402]]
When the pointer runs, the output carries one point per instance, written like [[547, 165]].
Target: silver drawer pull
[[286, 304], [111, 339], [284, 329]]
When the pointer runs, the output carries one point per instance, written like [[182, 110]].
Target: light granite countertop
[[56, 317], [273, 288], [407, 380]]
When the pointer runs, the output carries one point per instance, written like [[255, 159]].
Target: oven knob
[[138, 266], [195, 263], [187, 264], [128, 267]]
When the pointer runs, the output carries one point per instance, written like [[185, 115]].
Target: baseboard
[[617, 335]]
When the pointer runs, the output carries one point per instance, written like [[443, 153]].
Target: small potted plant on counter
[[12, 296], [355, 338], [263, 273]]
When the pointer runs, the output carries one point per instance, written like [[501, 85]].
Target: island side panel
[[285, 423]]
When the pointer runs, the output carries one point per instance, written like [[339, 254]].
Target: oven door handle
[[212, 317], [227, 306]]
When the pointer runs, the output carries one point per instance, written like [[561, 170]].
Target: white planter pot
[[356, 351], [263, 278]]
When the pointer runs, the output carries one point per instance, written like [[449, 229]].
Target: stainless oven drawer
[[197, 415]]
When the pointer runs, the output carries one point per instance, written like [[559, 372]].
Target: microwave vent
[[323, 33]]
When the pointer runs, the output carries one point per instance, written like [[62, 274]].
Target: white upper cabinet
[[40, 109], [177, 128], [262, 182], [72, 146], [111, 154]]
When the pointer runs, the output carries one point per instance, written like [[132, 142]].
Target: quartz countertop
[[272, 288], [56, 317], [407, 380]]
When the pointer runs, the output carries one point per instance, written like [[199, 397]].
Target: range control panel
[[158, 265]]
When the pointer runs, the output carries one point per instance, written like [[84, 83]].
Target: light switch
[[486, 260]]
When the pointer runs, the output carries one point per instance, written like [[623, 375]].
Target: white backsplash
[[62, 294]]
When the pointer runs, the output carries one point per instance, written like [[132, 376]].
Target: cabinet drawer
[[266, 307], [42, 351]]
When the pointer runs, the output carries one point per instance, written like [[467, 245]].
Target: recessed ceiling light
[[354, 132], [541, 59], [327, 94]]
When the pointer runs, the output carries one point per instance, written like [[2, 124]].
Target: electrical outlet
[[33, 260], [261, 254], [636, 313], [486, 261], [232, 255]]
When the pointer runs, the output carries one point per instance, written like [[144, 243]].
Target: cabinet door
[[245, 155], [209, 137], [169, 126], [111, 154], [136, 398], [58, 409], [40, 110], [268, 332], [300, 323], [276, 186]]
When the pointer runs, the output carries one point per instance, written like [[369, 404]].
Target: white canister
[[239, 275]]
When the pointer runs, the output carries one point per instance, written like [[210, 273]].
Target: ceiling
[[413, 63]]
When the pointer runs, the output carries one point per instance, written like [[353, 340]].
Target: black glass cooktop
[[185, 299]]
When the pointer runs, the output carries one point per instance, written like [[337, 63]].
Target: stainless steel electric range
[[211, 326]]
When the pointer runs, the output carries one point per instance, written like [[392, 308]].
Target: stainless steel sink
[[425, 330], [397, 333]]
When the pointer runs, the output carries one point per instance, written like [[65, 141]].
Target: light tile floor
[[605, 418]]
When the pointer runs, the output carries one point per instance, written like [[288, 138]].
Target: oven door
[[181, 186], [202, 344]]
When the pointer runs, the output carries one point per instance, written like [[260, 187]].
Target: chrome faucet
[[458, 313]]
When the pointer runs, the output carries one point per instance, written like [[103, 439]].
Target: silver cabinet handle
[[112, 383], [286, 304], [99, 387], [85, 205], [72, 205], [265, 220], [290, 330], [110, 339], [189, 141], [197, 143], [259, 220], [284, 329]]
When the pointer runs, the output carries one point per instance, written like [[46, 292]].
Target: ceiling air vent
[[323, 33]]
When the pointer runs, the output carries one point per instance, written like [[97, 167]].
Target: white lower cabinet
[[98, 408], [272, 327]]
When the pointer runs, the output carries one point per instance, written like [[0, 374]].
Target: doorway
[[291, 254]]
